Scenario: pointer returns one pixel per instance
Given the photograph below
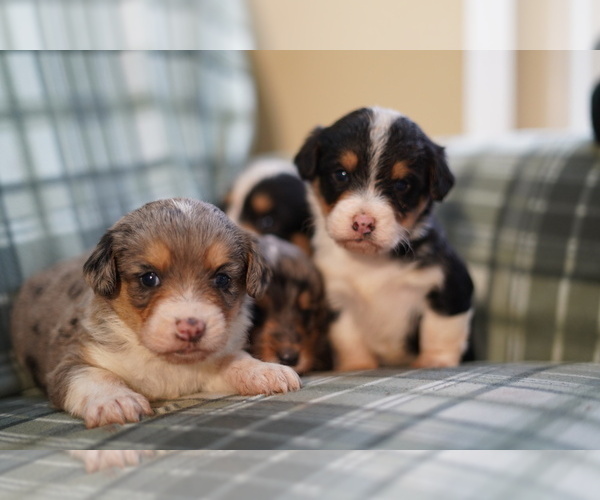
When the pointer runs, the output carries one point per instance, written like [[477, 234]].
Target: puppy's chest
[[385, 297]]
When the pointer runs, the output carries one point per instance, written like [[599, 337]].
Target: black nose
[[288, 356]]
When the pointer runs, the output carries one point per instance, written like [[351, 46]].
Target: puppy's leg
[[248, 376], [442, 339], [97, 395], [350, 350]]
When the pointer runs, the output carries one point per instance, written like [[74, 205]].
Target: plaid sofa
[[87, 139]]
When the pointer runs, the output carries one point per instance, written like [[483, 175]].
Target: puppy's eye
[[222, 281], [401, 186], [150, 280], [340, 176]]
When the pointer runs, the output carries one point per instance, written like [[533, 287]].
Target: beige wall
[[358, 24], [542, 89], [301, 89]]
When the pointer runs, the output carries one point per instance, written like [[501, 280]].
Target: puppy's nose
[[288, 356], [363, 224], [190, 329]]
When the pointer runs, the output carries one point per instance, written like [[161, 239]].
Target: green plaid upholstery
[[88, 136], [125, 25], [297, 474], [478, 406], [525, 213]]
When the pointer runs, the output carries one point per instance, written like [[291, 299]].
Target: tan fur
[[400, 170], [262, 203], [103, 349], [349, 160]]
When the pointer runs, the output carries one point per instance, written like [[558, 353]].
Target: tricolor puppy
[[403, 294], [160, 309], [291, 320], [270, 198]]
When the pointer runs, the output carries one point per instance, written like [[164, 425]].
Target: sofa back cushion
[[525, 214]]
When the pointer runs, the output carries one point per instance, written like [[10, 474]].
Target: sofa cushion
[[525, 213], [474, 406], [89, 137]]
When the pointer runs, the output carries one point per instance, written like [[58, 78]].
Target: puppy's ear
[[306, 159], [258, 275], [441, 179], [100, 270]]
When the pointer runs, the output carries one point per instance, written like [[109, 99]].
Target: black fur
[[290, 213]]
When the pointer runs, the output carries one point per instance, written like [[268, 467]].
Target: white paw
[[250, 377], [120, 407]]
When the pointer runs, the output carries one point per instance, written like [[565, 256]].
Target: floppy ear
[[100, 270], [258, 274], [306, 159], [441, 179]]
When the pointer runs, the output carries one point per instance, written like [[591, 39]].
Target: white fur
[[159, 335], [379, 131], [443, 339], [99, 397], [258, 170], [387, 234], [184, 206], [378, 298]]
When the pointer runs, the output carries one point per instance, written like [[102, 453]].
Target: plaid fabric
[[87, 137], [125, 25], [487, 406], [310, 474], [525, 214]]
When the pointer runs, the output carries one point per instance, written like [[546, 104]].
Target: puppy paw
[[250, 377], [435, 361], [117, 408]]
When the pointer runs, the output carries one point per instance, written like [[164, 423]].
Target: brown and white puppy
[[269, 197], [402, 293], [290, 321], [160, 309]]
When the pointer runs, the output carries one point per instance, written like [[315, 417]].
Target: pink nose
[[363, 224], [190, 329]]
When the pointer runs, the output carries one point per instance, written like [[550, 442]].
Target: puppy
[[290, 321], [160, 309], [403, 294], [270, 198]]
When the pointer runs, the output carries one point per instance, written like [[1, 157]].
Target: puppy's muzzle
[[190, 329]]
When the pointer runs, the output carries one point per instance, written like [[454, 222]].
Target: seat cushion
[[474, 406]]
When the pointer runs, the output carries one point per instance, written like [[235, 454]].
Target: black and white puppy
[[270, 198], [402, 293]]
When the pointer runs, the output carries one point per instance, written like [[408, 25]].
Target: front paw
[[120, 407], [250, 377]]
